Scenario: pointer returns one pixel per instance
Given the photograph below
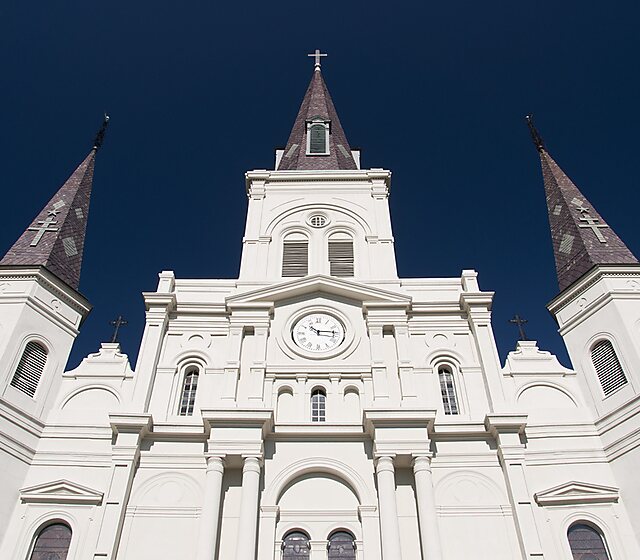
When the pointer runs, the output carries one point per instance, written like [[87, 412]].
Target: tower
[[598, 314], [41, 311]]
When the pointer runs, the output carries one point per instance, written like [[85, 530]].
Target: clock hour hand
[[328, 333]]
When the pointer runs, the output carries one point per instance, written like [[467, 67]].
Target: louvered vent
[[295, 258], [30, 368], [341, 258], [318, 139], [608, 367]]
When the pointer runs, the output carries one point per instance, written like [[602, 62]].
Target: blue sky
[[201, 92]]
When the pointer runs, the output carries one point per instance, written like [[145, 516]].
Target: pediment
[[322, 284], [60, 492], [577, 493]]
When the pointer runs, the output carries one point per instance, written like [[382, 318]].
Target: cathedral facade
[[319, 406]]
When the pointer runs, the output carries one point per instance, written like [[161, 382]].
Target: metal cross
[[517, 320], [592, 223], [46, 225], [119, 322], [317, 56]]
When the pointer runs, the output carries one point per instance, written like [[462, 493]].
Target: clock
[[318, 333]]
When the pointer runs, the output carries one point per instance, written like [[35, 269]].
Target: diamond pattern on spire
[[56, 236], [581, 238], [317, 103]]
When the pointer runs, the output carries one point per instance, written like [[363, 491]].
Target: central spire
[[317, 140]]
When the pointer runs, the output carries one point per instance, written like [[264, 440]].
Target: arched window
[[448, 390], [189, 388], [607, 366], [295, 546], [341, 261], [586, 543], [52, 543], [318, 140], [30, 368], [318, 405], [295, 255], [342, 546]]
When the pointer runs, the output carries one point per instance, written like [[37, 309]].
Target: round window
[[318, 220]]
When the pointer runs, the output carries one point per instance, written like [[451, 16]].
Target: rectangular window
[[295, 258], [317, 142], [341, 258]]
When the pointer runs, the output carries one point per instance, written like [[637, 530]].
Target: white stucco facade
[[525, 449]]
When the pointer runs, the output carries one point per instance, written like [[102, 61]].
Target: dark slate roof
[[581, 238], [56, 236], [317, 103]]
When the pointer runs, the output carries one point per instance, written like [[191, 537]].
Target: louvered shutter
[[30, 368], [318, 139], [295, 258], [607, 366], [341, 258]]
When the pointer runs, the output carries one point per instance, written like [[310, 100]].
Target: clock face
[[318, 332]]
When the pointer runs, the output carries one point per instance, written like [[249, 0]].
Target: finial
[[317, 56], [535, 135], [97, 143]]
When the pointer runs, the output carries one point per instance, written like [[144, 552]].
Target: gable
[[319, 284], [60, 492], [577, 493]]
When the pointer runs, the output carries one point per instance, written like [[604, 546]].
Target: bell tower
[[41, 308], [318, 211]]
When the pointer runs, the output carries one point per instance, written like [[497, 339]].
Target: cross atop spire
[[55, 238], [581, 238], [317, 56]]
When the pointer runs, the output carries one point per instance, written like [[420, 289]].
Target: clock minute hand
[[320, 333]]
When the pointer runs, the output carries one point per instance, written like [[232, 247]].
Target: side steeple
[[317, 140], [581, 238], [55, 238]]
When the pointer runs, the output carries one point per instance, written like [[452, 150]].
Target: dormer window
[[317, 137]]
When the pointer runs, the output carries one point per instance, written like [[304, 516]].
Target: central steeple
[[317, 140]]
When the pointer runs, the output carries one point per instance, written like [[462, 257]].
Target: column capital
[[215, 463], [252, 463], [422, 462], [384, 463]]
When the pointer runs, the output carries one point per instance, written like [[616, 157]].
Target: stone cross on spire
[[581, 238], [317, 56], [55, 238]]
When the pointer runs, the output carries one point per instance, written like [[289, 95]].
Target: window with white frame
[[607, 366], [318, 405], [295, 255], [586, 543], [448, 390], [189, 389], [52, 542], [317, 137], [341, 257], [30, 368]]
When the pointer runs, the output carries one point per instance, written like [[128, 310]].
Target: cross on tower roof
[[517, 320], [317, 56]]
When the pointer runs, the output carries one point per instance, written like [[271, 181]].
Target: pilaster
[[129, 430], [507, 430]]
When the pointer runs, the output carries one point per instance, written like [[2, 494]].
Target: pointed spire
[[317, 103], [55, 238], [581, 238]]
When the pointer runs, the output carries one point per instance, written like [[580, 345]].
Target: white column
[[210, 516], [427, 516], [389, 528], [248, 521]]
